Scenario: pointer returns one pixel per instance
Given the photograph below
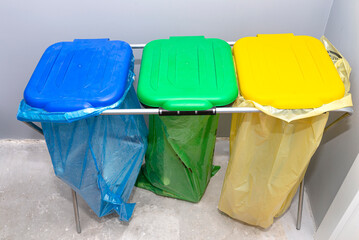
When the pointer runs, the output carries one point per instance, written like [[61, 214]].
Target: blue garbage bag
[[98, 156]]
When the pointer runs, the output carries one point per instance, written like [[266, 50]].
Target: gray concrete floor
[[35, 204]]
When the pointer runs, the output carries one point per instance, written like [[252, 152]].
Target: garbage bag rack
[[347, 111]]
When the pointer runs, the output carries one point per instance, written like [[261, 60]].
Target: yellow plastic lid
[[286, 71]]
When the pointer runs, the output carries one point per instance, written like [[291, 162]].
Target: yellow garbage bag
[[270, 152]]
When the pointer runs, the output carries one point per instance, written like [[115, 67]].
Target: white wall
[[28, 27], [342, 216], [340, 145]]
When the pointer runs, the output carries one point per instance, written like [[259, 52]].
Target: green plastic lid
[[187, 74]]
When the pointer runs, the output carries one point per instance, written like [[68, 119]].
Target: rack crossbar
[[219, 110]]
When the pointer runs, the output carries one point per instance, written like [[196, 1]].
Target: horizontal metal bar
[[142, 45], [138, 46], [236, 110], [220, 110], [348, 110], [138, 111]]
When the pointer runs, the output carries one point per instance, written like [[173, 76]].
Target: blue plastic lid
[[81, 74]]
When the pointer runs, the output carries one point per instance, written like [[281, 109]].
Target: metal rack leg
[[300, 205], [301, 188], [74, 196], [76, 210]]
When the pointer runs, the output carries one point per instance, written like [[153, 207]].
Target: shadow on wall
[[340, 127], [331, 134]]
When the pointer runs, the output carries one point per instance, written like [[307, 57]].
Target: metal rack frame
[[347, 111]]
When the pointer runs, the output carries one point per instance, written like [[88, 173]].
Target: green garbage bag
[[179, 157]]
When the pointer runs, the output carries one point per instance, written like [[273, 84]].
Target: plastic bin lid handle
[[187, 105]]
